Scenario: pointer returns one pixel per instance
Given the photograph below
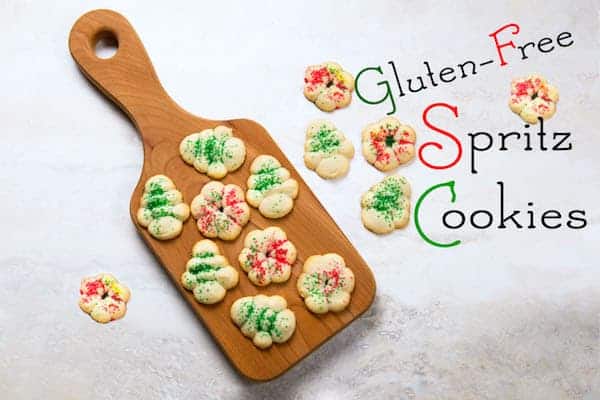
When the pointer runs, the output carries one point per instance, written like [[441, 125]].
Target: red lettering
[[499, 46], [438, 146]]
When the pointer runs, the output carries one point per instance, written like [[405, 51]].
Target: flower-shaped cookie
[[208, 274], [270, 188], [213, 151], [325, 283], [103, 297], [264, 319], [328, 86], [533, 97], [326, 150], [388, 143], [386, 205], [267, 256], [162, 209], [220, 210]]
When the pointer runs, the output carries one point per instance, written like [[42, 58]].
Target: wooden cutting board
[[129, 80]]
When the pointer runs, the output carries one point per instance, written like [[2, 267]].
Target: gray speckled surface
[[506, 315]]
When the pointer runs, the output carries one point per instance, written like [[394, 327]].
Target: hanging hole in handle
[[105, 44]]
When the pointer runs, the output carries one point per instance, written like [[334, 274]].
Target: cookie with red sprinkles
[[103, 297], [388, 143], [532, 98], [220, 210], [328, 86], [325, 284], [267, 256]]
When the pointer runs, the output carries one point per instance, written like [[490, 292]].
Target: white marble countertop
[[505, 315]]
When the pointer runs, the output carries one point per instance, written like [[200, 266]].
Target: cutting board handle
[[128, 77]]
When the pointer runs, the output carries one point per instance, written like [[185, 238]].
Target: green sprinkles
[[325, 140], [266, 178], [157, 202], [386, 198], [211, 148], [263, 318]]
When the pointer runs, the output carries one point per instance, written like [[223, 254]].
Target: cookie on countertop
[[388, 143], [103, 297], [214, 152], [208, 273], [162, 210], [325, 283], [220, 210], [327, 150], [267, 256], [533, 97], [328, 86], [270, 188], [264, 319], [386, 205]]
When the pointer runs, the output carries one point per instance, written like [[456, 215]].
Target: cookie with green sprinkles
[[214, 152], [327, 150], [386, 205], [162, 210], [264, 319], [270, 187], [325, 284], [208, 273]]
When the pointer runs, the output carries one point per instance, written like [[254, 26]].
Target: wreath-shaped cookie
[[533, 97], [220, 210], [325, 283], [386, 205], [208, 274], [264, 319], [162, 210], [213, 151], [388, 143], [103, 297], [326, 150], [267, 256], [270, 188], [328, 86]]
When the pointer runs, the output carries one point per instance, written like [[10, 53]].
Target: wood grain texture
[[129, 80]]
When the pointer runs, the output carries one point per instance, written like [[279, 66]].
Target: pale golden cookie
[[533, 97], [264, 319], [327, 150], [220, 210], [388, 143], [213, 151], [386, 205], [325, 283], [328, 86], [162, 209], [270, 188], [208, 274], [103, 297], [267, 256]]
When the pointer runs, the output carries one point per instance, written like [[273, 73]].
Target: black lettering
[[422, 86], [574, 218], [541, 134], [489, 222], [564, 35], [447, 71], [563, 136], [397, 79], [503, 137], [461, 218], [503, 219], [430, 74], [551, 214], [462, 68], [543, 42], [475, 148], [522, 48], [530, 213]]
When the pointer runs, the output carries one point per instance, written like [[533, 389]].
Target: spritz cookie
[[264, 319], [220, 210], [386, 205], [327, 150], [270, 188], [328, 86], [162, 210], [213, 151], [388, 143], [103, 297], [325, 283], [532, 98], [208, 274], [267, 256]]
